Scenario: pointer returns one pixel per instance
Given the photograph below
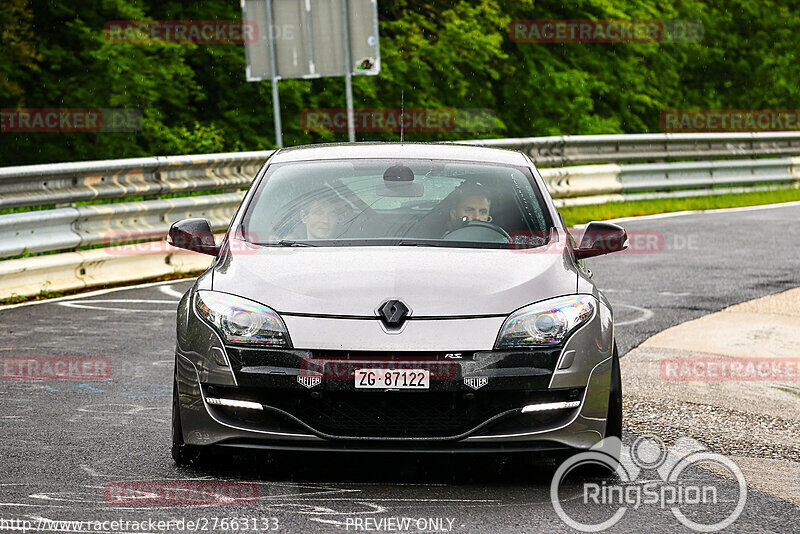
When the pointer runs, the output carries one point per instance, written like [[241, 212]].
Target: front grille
[[395, 414], [346, 414]]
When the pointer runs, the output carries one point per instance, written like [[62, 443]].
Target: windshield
[[397, 202]]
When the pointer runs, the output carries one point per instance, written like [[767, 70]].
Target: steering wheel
[[479, 231]]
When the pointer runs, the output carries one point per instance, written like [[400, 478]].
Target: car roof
[[399, 151]]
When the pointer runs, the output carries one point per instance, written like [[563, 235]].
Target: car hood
[[355, 281]]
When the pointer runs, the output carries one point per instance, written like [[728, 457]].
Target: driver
[[471, 203]]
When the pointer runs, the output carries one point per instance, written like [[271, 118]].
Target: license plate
[[392, 378]]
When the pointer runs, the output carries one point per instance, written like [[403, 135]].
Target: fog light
[[550, 406], [232, 403]]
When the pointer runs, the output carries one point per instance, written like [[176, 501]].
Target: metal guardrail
[[582, 149], [109, 224], [64, 183], [704, 174]]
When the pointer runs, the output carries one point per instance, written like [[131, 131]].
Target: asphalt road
[[64, 442]]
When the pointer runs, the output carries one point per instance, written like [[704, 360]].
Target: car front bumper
[[307, 400]]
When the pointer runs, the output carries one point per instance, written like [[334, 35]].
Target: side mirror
[[193, 234], [601, 238]]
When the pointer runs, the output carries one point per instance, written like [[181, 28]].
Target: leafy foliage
[[440, 54]]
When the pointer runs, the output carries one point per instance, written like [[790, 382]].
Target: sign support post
[[273, 64], [348, 76]]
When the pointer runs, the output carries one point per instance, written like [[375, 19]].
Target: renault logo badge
[[393, 313]]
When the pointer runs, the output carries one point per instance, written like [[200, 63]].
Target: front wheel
[[182, 453]]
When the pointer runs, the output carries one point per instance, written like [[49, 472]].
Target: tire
[[184, 455], [614, 418]]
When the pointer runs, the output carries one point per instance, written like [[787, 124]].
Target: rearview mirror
[[601, 238], [193, 234]]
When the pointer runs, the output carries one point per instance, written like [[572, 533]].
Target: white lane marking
[[324, 510], [136, 301], [91, 471], [390, 499], [167, 290], [88, 305], [95, 293], [645, 315], [131, 409], [703, 212]]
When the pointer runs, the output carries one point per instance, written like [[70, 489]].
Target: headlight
[[240, 320], [546, 323]]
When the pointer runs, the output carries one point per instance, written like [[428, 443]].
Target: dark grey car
[[373, 297]]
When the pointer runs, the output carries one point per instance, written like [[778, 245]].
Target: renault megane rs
[[403, 297]]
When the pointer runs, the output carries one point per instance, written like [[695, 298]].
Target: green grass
[[43, 295], [612, 210]]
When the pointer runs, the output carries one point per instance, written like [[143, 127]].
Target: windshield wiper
[[287, 243]]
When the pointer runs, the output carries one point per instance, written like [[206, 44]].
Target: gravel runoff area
[[679, 383]]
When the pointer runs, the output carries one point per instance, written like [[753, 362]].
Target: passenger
[[321, 218]]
